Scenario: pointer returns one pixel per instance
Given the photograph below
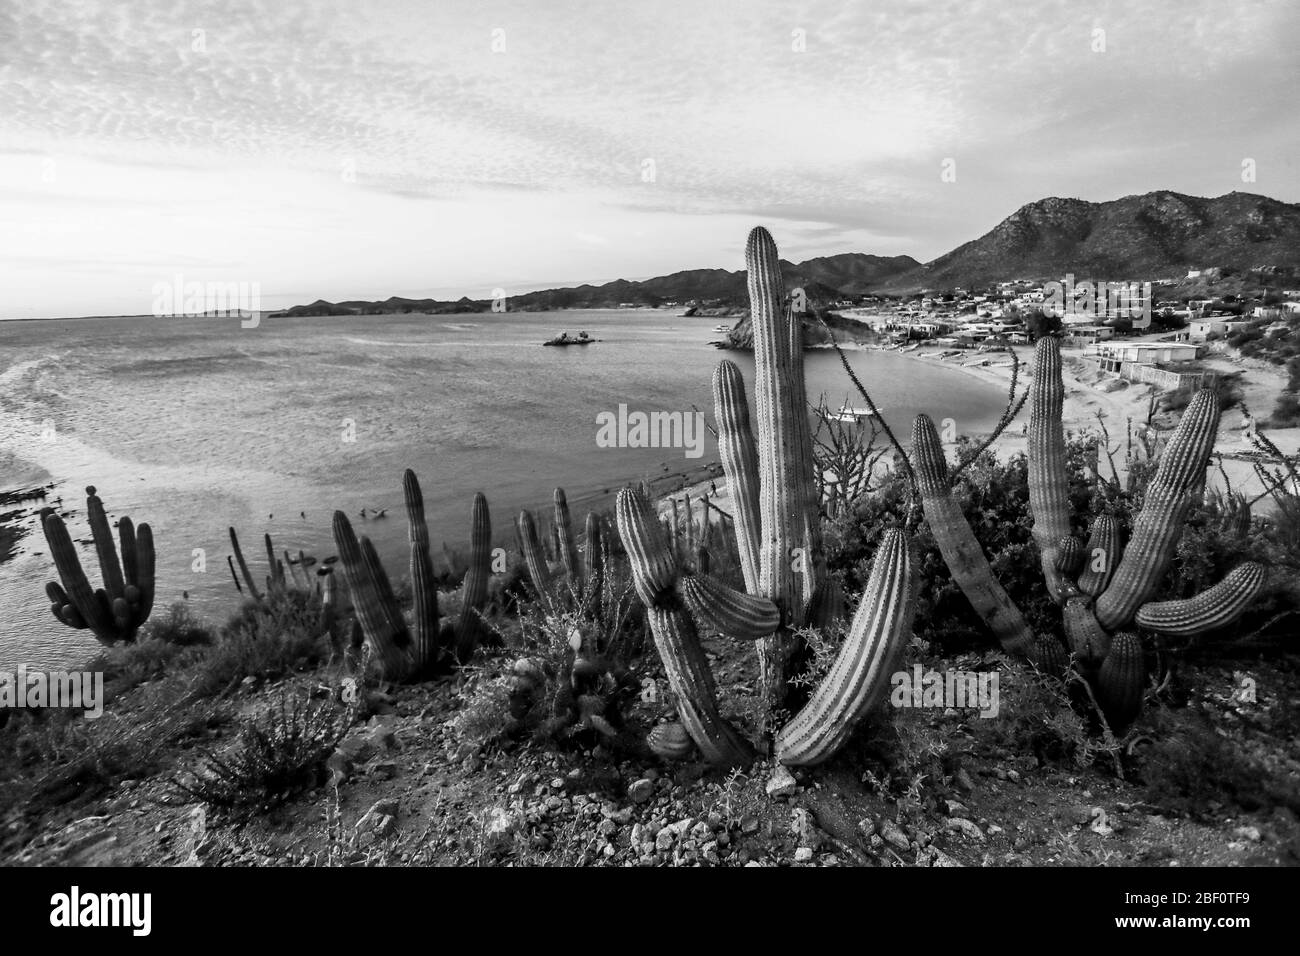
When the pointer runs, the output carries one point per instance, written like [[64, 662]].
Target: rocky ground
[[920, 788]]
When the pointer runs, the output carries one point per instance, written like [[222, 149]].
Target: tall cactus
[[403, 651], [114, 612], [776, 511]]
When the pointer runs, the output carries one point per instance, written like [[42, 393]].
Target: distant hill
[[1156, 235]]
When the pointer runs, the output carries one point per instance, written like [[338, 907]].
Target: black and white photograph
[[713, 434]]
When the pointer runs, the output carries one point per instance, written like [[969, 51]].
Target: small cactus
[[670, 741]]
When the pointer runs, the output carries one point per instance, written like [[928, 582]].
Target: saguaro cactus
[[776, 511], [114, 612], [412, 651]]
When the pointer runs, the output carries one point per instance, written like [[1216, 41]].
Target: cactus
[[776, 509], [670, 741], [564, 542], [530, 546], [961, 552], [405, 652], [114, 612], [1104, 588], [474, 594], [243, 567]]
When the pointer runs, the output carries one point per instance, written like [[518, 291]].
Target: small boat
[[722, 328], [565, 339], [849, 414]]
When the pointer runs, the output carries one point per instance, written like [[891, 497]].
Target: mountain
[[1154, 235], [823, 279]]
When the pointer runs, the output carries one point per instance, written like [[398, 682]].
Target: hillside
[[1155, 235]]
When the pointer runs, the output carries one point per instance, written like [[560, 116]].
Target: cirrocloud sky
[[360, 150]]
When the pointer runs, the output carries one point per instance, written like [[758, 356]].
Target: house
[[1146, 352], [1198, 330], [1291, 308]]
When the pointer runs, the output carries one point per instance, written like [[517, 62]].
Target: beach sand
[[1084, 399]]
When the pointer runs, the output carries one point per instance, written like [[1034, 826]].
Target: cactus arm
[[534, 556], [593, 558], [1103, 554], [1169, 497], [781, 502], [372, 599], [475, 591], [425, 621], [146, 571], [276, 581], [234, 575], [719, 608], [1070, 553], [740, 462], [110, 569], [243, 567], [861, 672], [565, 544], [1048, 485], [1121, 681], [654, 573], [961, 551], [1209, 610]]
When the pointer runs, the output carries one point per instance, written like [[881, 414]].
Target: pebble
[[966, 828], [781, 783], [641, 790], [891, 832]]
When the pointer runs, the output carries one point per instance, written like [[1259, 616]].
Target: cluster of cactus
[[1103, 587], [689, 537], [580, 571], [776, 514], [115, 612], [298, 570], [405, 651]]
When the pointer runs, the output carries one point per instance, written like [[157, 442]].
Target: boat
[[847, 413], [722, 328], [565, 339]]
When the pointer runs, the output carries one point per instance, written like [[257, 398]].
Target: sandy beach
[[1088, 393]]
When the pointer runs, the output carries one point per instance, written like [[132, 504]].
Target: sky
[[361, 149]]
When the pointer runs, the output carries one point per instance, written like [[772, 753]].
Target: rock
[[622, 816], [339, 766], [386, 807], [702, 832], [803, 855], [641, 790], [933, 856], [709, 852], [385, 825], [963, 781], [384, 769], [804, 828], [891, 832], [1013, 776], [956, 808], [664, 840], [781, 783], [749, 825], [1248, 833], [501, 827], [966, 828]]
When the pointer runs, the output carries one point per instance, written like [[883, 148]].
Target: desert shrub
[[286, 632], [994, 496], [1286, 412], [1191, 767], [178, 625], [274, 757]]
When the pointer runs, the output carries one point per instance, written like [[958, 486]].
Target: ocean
[[197, 424]]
